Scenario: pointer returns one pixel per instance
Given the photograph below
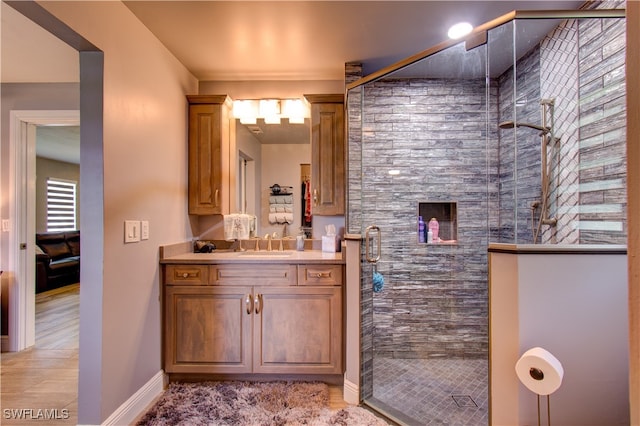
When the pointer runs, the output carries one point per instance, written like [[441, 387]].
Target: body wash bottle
[[434, 228]]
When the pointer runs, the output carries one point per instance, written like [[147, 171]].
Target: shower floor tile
[[434, 392]]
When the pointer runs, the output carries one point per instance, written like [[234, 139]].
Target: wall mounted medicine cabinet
[[210, 141], [327, 154]]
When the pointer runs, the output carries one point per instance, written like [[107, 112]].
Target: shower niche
[[446, 213]]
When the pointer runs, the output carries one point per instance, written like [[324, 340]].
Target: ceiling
[[308, 40], [265, 40]]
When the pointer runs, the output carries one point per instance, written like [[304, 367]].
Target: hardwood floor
[[40, 385], [43, 380]]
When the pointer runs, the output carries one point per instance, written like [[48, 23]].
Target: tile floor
[[433, 392]]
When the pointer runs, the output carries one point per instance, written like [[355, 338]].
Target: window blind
[[61, 205]]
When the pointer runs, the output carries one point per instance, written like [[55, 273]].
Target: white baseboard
[[4, 343], [351, 392], [132, 408]]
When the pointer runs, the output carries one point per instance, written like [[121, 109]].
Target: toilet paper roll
[[540, 371]]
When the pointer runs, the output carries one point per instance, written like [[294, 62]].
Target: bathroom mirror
[[269, 154]]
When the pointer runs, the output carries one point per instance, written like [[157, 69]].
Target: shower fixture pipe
[[547, 137]]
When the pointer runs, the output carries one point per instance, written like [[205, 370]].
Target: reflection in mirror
[[270, 154]]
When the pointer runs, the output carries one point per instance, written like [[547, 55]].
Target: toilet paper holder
[[531, 368]]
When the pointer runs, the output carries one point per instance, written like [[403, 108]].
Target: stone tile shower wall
[[581, 66], [434, 132], [602, 129]]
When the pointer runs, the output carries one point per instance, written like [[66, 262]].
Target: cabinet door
[[327, 154], [209, 155], [208, 329], [298, 330]]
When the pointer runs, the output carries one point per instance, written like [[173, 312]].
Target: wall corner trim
[[133, 407], [351, 392]]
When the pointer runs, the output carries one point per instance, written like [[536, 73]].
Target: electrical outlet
[[131, 231], [144, 229], [5, 225]]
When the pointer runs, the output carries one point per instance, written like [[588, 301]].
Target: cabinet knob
[[185, 275]]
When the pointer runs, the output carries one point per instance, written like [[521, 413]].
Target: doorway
[[21, 308]]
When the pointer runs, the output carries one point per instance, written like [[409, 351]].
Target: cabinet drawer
[[254, 274], [319, 274], [187, 274]]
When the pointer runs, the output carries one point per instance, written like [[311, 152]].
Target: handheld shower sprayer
[[513, 124]]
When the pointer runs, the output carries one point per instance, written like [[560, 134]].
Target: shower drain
[[463, 401]]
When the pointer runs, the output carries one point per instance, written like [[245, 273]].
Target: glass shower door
[[418, 148]]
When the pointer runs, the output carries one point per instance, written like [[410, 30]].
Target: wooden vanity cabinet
[[206, 330], [298, 330], [209, 154], [327, 154], [253, 319]]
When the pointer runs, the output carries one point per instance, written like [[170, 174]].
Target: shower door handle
[[367, 244]]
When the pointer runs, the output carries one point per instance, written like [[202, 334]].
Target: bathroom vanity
[[265, 312]]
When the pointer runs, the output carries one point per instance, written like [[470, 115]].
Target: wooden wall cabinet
[[210, 146], [327, 154], [232, 319]]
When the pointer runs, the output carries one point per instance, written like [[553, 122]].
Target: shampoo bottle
[[434, 227], [421, 229]]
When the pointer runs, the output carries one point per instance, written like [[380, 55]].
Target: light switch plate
[[131, 231], [144, 229]]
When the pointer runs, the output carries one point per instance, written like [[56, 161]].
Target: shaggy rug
[[252, 404]]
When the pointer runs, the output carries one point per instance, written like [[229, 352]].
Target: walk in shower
[[514, 135]]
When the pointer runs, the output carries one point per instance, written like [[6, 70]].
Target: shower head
[[513, 124]]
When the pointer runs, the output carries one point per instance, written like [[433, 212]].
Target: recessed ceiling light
[[460, 29]]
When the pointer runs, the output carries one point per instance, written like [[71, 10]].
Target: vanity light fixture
[[271, 110], [246, 111], [460, 30], [295, 110]]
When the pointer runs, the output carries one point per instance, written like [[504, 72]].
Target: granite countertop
[[250, 256]]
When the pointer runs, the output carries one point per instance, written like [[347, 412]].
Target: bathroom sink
[[266, 253]]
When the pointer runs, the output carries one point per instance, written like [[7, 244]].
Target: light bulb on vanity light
[[295, 110], [246, 111], [270, 110]]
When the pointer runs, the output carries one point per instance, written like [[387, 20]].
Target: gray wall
[[573, 305]]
